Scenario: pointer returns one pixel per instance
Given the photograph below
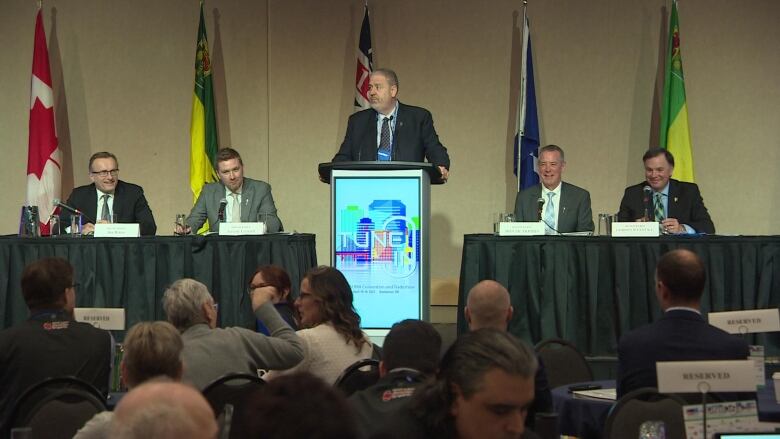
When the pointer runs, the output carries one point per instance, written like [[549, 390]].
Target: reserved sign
[[636, 229], [111, 319], [706, 376], [103, 230], [748, 321], [239, 229], [521, 228]]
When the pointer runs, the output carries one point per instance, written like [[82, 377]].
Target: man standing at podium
[[390, 130]]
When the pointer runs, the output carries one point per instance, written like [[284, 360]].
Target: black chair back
[[563, 362], [57, 407], [358, 376], [642, 405], [234, 389]]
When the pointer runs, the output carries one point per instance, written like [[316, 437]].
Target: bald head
[[488, 306], [680, 278], [164, 410]]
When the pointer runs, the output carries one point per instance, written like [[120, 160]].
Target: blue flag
[[527, 131]]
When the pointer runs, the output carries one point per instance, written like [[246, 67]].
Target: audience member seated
[[681, 334], [299, 405], [152, 349], [482, 390], [163, 410], [332, 339], [410, 355], [488, 306], [210, 352], [50, 343], [277, 281]]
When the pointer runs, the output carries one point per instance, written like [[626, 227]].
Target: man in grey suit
[[562, 206], [234, 198]]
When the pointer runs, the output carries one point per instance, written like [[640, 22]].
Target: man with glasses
[[233, 199], [109, 197]]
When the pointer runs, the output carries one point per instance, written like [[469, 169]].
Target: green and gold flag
[[203, 125], [675, 131]]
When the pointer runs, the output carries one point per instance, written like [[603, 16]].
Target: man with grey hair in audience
[[151, 349], [482, 390], [489, 306], [211, 352], [163, 410]]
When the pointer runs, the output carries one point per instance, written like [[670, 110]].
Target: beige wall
[[123, 76]]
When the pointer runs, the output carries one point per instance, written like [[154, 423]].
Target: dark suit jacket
[[685, 205], [130, 206], [256, 198], [415, 138], [679, 335], [574, 213]]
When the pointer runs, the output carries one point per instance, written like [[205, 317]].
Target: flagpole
[[521, 99]]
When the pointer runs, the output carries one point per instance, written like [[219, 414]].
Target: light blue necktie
[[549, 214]]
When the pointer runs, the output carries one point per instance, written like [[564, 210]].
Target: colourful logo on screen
[[383, 237]]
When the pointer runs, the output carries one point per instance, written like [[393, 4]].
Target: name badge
[[112, 319], [521, 228], [124, 230], [745, 322], [636, 229], [239, 229], [709, 376]]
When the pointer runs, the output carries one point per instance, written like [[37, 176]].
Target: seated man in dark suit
[[564, 206], [391, 130], [109, 195], [677, 205], [488, 305], [50, 343], [410, 355], [234, 197], [681, 334]]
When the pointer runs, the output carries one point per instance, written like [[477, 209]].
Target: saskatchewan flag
[[203, 126], [675, 131]]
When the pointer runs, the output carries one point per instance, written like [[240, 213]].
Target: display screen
[[377, 246]]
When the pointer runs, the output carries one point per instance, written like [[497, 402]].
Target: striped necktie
[[549, 214], [385, 147], [658, 208]]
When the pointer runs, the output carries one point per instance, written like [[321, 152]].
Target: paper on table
[[608, 394]]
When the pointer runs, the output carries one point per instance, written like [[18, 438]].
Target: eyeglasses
[[215, 305], [112, 172], [75, 285]]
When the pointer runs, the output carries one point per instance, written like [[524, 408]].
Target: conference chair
[[57, 407], [358, 376], [235, 390], [563, 362], [642, 405]]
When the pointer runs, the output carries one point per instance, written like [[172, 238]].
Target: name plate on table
[[132, 230], [239, 229], [112, 319], [521, 228], [636, 229], [744, 322], [709, 376]]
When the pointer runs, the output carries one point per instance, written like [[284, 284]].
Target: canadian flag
[[44, 170]]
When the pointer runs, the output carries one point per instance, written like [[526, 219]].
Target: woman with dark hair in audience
[[277, 280], [331, 335]]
